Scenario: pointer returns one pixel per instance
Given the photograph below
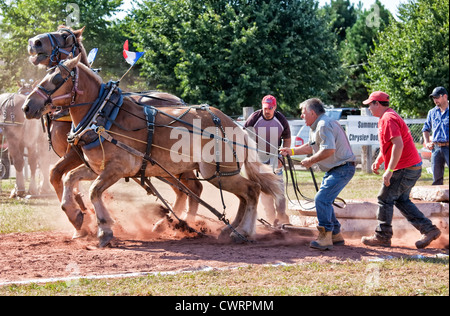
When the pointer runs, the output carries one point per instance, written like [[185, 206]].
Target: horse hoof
[[282, 219], [17, 194], [224, 236], [160, 226], [77, 220], [105, 239], [80, 234], [238, 238]]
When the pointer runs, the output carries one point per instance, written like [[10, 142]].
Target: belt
[[414, 168], [349, 163], [442, 144]]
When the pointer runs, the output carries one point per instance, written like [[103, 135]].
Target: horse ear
[[78, 58], [72, 62], [79, 33]]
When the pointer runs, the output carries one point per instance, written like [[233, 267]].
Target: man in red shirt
[[403, 166]]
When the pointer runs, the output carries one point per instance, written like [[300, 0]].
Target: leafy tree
[[411, 56], [359, 42], [342, 15], [231, 53], [23, 19]]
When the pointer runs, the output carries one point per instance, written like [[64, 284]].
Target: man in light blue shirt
[[438, 123]]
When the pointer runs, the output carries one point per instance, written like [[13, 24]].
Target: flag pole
[[130, 57], [129, 69]]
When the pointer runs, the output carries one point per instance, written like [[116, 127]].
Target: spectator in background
[[437, 123], [403, 166], [272, 130]]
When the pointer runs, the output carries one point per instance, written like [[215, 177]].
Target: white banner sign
[[362, 130]]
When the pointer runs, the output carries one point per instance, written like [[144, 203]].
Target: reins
[[290, 171]]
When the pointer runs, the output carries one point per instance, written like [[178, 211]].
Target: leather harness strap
[[150, 113]]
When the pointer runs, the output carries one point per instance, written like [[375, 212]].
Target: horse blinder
[[58, 81]]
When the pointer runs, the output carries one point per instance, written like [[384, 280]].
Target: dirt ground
[[31, 256]]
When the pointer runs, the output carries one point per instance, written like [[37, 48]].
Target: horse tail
[[262, 174]]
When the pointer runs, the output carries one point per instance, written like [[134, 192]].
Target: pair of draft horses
[[123, 148]]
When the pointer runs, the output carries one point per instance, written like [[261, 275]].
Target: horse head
[[49, 49], [25, 87], [58, 89]]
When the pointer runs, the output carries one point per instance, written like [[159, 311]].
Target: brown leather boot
[[324, 241], [375, 241], [427, 238], [338, 240]]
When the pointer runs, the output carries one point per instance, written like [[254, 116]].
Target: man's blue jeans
[[439, 158], [333, 183], [397, 194]]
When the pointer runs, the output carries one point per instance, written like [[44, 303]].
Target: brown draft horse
[[24, 135], [48, 50], [130, 129]]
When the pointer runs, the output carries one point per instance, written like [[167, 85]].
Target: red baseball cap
[[269, 100], [379, 96]]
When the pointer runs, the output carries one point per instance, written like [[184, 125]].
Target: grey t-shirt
[[327, 133]]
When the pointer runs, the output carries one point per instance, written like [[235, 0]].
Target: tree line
[[230, 53]]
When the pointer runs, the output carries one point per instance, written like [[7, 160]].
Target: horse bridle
[[56, 48], [47, 95]]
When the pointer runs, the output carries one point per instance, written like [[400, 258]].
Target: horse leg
[[248, 223], [70, 161], [32, 162], [269, 207], [70, 203], [45, 157], [17, 159], [19, 188], [104, 220], [190, 180], [226, 231], [248, 194]]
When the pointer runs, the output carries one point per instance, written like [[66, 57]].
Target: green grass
[[22, 216], [399, 277]]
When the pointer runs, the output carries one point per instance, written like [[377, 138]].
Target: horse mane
[[62, 26], [90, 73]]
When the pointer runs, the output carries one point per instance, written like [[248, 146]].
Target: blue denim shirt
[[437, 123]]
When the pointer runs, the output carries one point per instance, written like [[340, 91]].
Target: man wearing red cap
[[271, 129], [403, 166]]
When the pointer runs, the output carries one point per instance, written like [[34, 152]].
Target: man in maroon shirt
[[403, 168], [271, 129]]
